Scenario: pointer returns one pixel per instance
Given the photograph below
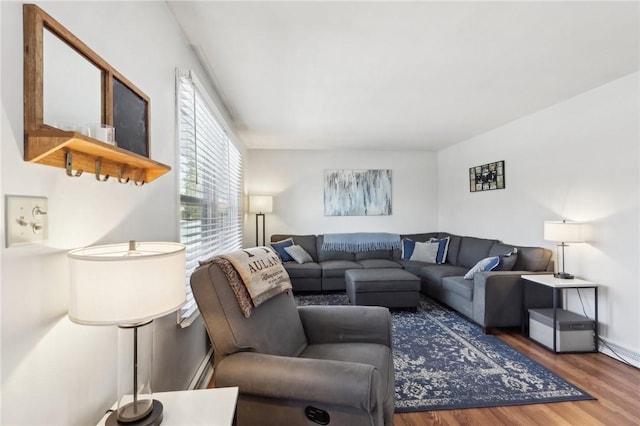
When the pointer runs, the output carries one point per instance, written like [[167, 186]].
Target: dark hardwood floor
[[615, 385]]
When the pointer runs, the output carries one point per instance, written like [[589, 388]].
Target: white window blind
[[210, 183]]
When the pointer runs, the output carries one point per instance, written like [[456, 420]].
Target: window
[[210, 182]]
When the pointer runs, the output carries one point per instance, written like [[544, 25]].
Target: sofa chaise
[[491, 298]]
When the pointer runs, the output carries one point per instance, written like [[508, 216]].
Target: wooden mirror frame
[[46, 144]]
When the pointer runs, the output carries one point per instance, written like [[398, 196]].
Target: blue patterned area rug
[[442, 362]]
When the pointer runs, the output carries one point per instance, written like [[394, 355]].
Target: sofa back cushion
[[534, 259], [472, 250], [454, 247], [324, 255], [375, 254], [307, 242]]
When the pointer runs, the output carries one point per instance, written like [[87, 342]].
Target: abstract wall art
[[357, 192]]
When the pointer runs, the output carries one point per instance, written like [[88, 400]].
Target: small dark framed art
[[487, 177]]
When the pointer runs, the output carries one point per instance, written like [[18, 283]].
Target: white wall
[[295, 179], [55, 372], [577, 160]]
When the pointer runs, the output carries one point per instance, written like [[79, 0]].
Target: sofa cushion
[[459, 286], [435, 273], [336, 268], [303, 270], [411, 265], [307, 242], [379, 264], [472, 250]]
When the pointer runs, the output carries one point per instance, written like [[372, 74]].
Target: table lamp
[[129, 285], [260, 204], [564, 232]]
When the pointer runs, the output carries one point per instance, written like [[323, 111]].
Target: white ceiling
[[402, 75]]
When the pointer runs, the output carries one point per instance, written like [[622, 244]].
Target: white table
[[558, 285], [202, 407]]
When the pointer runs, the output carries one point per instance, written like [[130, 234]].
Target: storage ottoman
[[392, 288]]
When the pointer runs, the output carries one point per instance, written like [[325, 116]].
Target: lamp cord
[[620, 357]]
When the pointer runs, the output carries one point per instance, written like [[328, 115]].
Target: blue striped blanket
[[361, 241]]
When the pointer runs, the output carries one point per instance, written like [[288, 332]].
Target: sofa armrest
[[497, 298], [346, 384], [339, 324]]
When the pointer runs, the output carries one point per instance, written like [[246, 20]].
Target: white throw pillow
[[299, 254], [486, 264], [425, 252]]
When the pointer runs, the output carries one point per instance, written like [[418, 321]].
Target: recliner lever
[[317, 415]]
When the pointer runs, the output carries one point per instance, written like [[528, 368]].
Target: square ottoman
[[392, 288]]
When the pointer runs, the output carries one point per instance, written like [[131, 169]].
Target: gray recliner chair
[[298, 365]]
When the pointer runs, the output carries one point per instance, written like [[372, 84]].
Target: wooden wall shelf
[[73, 151], [51, 147]]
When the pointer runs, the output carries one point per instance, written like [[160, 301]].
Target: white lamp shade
[[112, 285], [260, 203], [563, 231]]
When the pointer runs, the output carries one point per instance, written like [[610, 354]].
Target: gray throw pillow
[[299, 254]]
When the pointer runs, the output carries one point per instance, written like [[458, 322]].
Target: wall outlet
[[26, 220]]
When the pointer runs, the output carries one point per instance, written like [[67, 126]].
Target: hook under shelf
[[98, 167], [69, 163]]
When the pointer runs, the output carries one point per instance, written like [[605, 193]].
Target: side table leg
[[555, 315]]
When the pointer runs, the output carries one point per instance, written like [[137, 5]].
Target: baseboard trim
[[204, 373], [618, 352]]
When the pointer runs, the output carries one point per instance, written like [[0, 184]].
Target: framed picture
[[357, 192], [487, 177]]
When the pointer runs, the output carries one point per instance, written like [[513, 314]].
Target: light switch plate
[[26, 220]]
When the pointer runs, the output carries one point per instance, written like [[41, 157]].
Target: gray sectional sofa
[[491, 299]]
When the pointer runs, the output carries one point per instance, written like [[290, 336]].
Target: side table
[[202, 407], [557, 285]]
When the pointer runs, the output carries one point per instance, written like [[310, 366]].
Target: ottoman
[[392, 288]]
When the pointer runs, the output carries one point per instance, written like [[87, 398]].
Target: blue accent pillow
[[279, 247], [407, 248], [443, 249], [507, 261], [486, 264]]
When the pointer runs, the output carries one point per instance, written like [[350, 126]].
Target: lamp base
[[154, 418], [564, 276]]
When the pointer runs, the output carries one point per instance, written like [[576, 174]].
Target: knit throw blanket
[[255, 275], [361, 241]]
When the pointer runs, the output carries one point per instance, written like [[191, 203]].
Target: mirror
[[72, 94], [70, 87]]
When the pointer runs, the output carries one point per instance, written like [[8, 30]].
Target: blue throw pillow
[[407, 248], [443, 249], [486, 264], [279, 247]]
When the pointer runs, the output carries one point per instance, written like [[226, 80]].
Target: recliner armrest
[[339, 324], [303, 379]]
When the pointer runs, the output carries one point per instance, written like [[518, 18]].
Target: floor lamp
[[129, 285], [563, 232], [260, 204]]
